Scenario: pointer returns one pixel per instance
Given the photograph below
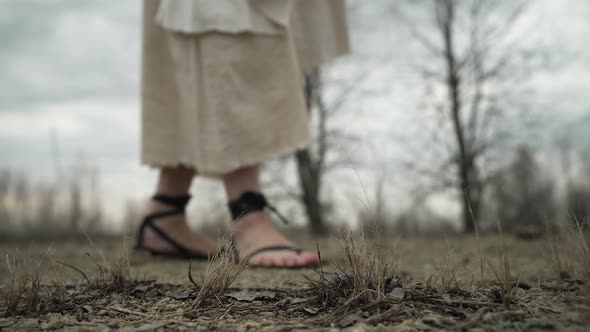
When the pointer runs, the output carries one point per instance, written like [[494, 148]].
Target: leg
[[175, 182], [255, 230]]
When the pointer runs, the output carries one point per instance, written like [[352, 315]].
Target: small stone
[[397, 294], [477, 329], [88, 309], [5, 323], [488, 317], [252, 326], [29, 324], [101, 312], [573, 317]]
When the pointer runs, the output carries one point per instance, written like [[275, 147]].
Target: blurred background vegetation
[[447, 116]]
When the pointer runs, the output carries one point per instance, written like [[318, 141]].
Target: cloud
[[59, 50]]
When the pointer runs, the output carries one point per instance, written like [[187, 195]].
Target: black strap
[[178, 204], [298, 251], [251, 201]]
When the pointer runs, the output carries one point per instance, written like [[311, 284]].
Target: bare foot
[[254, 231], [175, 227]]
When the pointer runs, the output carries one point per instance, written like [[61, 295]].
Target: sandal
[[253, 202], [178, 204]]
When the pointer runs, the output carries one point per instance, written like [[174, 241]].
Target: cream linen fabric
[[218, 101], [320, 31], [229, 16]]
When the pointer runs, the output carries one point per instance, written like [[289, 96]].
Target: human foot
[[258, 242], [167, 232]]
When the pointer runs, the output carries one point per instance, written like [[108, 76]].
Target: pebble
[[573, 317], [29, 324]]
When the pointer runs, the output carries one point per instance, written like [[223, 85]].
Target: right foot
[[176, 228], [255, 231]]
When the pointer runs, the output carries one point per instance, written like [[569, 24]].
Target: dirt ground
[[159, 296]]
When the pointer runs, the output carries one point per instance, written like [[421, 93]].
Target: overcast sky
[[69, 74]]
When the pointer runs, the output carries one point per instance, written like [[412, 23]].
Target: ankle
[[154, 206], [249, 223]]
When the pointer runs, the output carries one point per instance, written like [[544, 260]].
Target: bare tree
[[523, 194], [309, 168], [324, 153], [313, 162], [473, 74]]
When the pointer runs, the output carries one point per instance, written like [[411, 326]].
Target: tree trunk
[[465, 165], [308, 168], [472, 195], [309, 180]]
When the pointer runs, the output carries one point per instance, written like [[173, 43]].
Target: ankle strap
[[251, 201], [178, 202]]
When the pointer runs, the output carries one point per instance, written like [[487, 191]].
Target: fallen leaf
[[298, 300], [397, 294], [311, 311], [180, 295], [140, 289], [348, 320], [249, 295]]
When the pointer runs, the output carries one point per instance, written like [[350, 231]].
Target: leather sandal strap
[[178, 206], [274, 248], [181, 249], [251, 201], [177, 202]]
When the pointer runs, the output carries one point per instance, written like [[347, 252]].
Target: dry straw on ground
[[24, 293], [221, 272], [365, 277], [503, 273], [569, 250], [114, 274], [444, 276]]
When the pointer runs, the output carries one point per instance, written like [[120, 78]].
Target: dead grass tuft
[[23, 294], [57, 289], [222, 270], [110, 274], [503, 274], [365, 277], [444, 276], [115, 274], [569, 254]]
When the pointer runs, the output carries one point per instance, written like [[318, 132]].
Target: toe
[[267, 261], [290, 261], [310, 258]]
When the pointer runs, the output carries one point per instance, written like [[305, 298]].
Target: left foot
[[254, 231]]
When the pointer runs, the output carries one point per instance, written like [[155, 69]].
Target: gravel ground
[[159, 296]]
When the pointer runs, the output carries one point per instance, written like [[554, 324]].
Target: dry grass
[[221, 272], [569, 251], [444, 276], [57, 289], [23, 294], [114, 274], [109, 274], [503, 273], [482, 258], [366, 276]]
